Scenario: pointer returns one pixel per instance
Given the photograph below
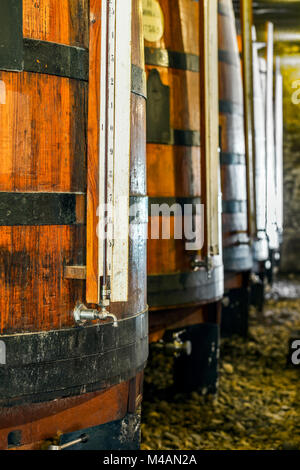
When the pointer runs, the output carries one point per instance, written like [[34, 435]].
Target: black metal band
[[31, 55], [229, 107], [185, 288], [56, 59], [171, 59], [138, 81], [238, 258], [48, 365], [232, 158], [37, 209], [179, 137], [187, 138], [171, 201], [54, 208], [67, 61], [185, 61], [11, 35], [229, 57], [234, 207], [71, 62]]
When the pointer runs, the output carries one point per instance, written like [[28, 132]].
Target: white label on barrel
[[153, 20]]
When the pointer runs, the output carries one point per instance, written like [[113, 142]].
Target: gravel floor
[[258, 405]]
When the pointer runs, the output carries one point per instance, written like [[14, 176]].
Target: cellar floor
[[258, 404]]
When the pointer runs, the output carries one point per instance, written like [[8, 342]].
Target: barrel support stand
[[198, 371], [273, 265], [122, 434], [257, 290], [235, 310]]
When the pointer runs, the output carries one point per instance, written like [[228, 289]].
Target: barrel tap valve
[[174, 346], [82, 313], [206, 263]]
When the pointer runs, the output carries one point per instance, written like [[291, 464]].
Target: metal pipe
[[82, 439]]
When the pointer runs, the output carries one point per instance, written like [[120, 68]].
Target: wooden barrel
[[236, 246], [171, 31], [55, 377]]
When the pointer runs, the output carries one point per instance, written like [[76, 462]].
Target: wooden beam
[[246, 26], [92, 277], [75, 272], [209, 123]]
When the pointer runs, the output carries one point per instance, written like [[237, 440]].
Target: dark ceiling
[[284, 14], [277, 9]]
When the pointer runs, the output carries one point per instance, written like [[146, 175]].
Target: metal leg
[[235, 313], [198, 371]]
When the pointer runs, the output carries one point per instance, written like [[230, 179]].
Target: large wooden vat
[[56, 376], [178, 279], [184, 284], [237, 252], [236, 244]]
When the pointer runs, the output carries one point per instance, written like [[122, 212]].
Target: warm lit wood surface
[[174, 170], [60, 21]]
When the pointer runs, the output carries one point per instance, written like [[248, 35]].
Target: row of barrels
[[61, 383]]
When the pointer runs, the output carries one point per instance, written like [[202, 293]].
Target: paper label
[[153, 20]]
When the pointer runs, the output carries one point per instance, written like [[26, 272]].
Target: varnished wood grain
[[43, 139], [42, 133], [173, 170], [166, 256], [137, 51], [60, 21], [181, 20], [174, 174], [34, 295], [93, 153]]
